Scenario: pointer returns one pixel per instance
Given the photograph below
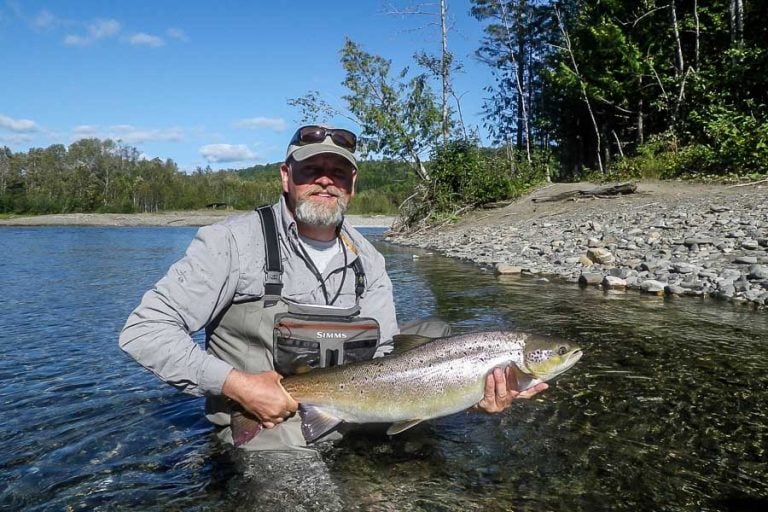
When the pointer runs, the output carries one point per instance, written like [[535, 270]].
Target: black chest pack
[[310, 336]]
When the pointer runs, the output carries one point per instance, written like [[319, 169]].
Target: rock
[[750, 245], [506, 269], [758, 272], [745, 260], [614, 283], [600, 255], [683, 268], [594, 242], [674, 289], [590, 279], [653, 287], [697, 241], [725, 290]]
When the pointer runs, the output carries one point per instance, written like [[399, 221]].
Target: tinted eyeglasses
[[316, 134]]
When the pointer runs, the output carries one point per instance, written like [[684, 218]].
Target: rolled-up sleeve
[[195, 290]]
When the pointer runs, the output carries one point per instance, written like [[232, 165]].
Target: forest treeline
[[665, 87], [93, 175], [578, 89]]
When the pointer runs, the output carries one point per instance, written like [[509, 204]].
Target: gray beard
[[314, 214]]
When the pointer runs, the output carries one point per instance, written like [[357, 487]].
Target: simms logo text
[[331, 335]]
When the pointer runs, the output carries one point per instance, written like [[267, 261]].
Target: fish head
[[545, 358]]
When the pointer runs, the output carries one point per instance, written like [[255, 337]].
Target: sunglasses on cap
[[316, 134]]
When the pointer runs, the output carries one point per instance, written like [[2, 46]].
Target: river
[[665, 411]]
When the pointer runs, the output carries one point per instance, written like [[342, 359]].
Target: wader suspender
[[273, 284]]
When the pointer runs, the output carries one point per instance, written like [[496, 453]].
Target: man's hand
[[261, 394], [500, 391]]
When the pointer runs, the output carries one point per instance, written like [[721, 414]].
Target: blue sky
[[202, 83]]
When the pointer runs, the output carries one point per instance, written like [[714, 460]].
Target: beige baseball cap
[[312, 140]]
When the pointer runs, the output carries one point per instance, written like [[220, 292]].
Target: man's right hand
[[261, 394]]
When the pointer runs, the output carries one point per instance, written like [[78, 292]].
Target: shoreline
[[666, 239], [192, 218]]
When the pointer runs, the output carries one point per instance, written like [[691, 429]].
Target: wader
[[272, 333]]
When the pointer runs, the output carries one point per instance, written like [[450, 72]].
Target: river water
[[667, 410]]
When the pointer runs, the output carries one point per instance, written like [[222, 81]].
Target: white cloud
[[85, 131], [16, 138], [178, 34], [216, 153], [276, 124], [18, 125], [128, 134], [142, 39], [99, 29], [132, 135], [72, 40], [44, 20]]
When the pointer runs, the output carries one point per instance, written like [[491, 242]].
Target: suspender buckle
[[273, 277]]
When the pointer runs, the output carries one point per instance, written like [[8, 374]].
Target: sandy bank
[[181, 218]]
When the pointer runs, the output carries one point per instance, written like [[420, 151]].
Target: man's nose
[[323, 179]]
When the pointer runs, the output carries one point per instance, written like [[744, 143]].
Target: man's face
[[319, 188]]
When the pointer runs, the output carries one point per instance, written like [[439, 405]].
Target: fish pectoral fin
[[523, 380], [244, 428], [316, 422], [402, 426], [405, 342]]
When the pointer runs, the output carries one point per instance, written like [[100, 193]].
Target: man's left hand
[[500, 391]]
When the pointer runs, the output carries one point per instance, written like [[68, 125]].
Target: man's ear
[[354, 182], [285, 176]]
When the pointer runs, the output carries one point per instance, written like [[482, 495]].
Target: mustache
[[334, 191]]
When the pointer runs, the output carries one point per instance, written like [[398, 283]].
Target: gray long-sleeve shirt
[[225, 263]]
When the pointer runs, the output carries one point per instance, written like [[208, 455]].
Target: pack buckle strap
[[273, 267]]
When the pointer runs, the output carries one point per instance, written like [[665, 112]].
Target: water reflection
[[665, 411]]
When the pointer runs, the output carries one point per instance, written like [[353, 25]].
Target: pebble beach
[[666, 238]]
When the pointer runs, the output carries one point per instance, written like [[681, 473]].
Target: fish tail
[[244, 428]]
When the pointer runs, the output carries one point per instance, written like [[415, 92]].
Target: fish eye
[[562, 350]]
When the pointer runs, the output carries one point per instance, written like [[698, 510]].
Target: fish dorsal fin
[[405, 342], [523, 380], [316, 422], [401, 426]]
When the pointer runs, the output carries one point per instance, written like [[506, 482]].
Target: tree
[[398, 116]]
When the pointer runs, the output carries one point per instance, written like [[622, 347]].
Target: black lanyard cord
[[313, 268]]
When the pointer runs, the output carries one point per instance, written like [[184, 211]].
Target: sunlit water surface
[[666, 410]]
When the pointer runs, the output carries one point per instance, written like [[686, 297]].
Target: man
[[285, 287]]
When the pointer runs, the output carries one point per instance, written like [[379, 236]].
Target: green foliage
[[465, 176], [399, 115], [102, 176]]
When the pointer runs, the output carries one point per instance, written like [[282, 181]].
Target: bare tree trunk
[[680, 72], [680, 67], [585, 97], [698, 33], [5, 171], [737, 22], [522, 113], [640, 135], [445, 65]]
